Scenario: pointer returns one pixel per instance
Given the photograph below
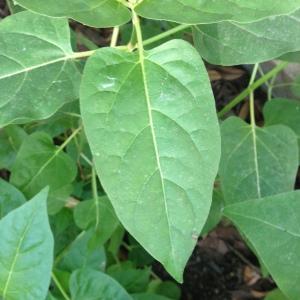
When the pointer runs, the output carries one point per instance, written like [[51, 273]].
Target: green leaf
[[283, 111], [155, 143], [203, 12], [11, 138], [96, 13], [165, 288], [276, 295], [100, 216], [133, 280], [272, 225], [148, 296], [292, 57], [85, 252], [91, 284], [256, 162], [39, 163], [10, 198], [26, 251], [37, 74], [232, 43]]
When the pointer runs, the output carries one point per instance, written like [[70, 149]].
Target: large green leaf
[[39, 164], [10, 198], [153, 131], [256, 162], [283, 111], [37, 74], [272, 225], [91, 284], [202, 12], [97, 13], [232, 43], [26, 251]]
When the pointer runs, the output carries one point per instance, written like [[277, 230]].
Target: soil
[[221, 267]]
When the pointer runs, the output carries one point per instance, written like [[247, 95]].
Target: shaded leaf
[[10, 198], [26, 251], [97, 13], [272, 226], [256, 162], [155, 143], [91, 284], [39, 164], [283, 111]]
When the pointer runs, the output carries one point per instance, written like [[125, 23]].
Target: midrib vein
[[149, 109], [28, 69], [256, 160]]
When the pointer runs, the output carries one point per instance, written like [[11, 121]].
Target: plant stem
[[114, 37], [132, 45], [59, 286], [95, 194], [165, 34], [252, 87], [251, 98]]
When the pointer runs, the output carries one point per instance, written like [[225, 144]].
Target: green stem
[[132, 44], [59, 286], [252, 87], [165, 34], [95, 194], [252, 104], [114, 37]]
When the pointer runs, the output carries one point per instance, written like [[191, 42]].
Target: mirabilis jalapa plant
[[147, 126]]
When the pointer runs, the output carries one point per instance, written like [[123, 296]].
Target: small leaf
[[133, 280], [256, 162], [11, 138], [276, 295], [85, 252], [272, 225], [26, 251], [39, 164], [100, 216], [283, 111], [91, 284], [96, 13], [37, 74], [10, 198], [232, 43], [203, 12], [155, 143]]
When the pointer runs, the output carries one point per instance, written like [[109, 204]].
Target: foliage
[[135, 166]]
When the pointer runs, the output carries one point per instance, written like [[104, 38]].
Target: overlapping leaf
[[283, 111], [256, 162], [37, 74], [26, 251], [272, 226], [39, 164], [97, 13], [91, 284], [153, 131], [205, 12], [232, 43]]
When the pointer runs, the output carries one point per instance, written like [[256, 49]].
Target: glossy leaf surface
[[153, 131]]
